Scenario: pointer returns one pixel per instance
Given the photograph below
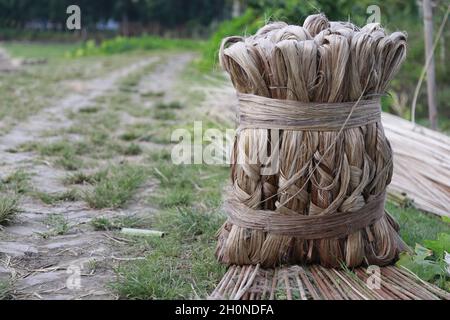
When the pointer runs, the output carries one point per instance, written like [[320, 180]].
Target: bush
[[246, 24], [123, 44]]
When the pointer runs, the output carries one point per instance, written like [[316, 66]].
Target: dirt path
[[80, 263]]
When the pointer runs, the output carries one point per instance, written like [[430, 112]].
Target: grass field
[[115, 154]]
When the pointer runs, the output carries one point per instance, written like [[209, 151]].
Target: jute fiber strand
[[327, 135]]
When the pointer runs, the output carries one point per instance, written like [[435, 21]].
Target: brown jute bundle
[[311, 161]]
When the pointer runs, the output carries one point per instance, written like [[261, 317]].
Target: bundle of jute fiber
[[310, 162]]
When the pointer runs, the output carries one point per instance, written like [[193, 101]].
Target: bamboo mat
[[318, 283], [421, 164]]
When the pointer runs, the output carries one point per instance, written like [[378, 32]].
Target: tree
[[429, 58]]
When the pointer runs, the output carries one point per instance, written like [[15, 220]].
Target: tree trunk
[[125, 25], [431, 78], [237, 8]]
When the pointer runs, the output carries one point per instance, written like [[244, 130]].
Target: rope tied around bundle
[[288, 223], [265, 113]]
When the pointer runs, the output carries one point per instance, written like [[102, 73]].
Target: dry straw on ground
[[321, 172]]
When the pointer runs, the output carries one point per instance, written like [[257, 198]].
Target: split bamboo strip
[[421, 164], [316, 282]]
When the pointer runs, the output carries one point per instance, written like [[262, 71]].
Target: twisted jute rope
[[324, 170]]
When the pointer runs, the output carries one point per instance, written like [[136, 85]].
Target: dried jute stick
[[310, 95]]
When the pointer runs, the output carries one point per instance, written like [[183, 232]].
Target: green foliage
[[123, 44], [440, 245], [431, 237], [246, 24], [426, 265], [167, 14]]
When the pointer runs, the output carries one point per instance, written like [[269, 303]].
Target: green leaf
[[419, 264], [421, 252], [424, 269], [440, 245]]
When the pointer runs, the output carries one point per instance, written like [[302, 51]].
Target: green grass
[[175, 198], [142, 43], [5, 290], [181, 265], [9, 207], [152, 94], [66, 152], [17, 182], [148, 132], [93, 109], [131, 150], [417, 226], [116, 223], [38, 50], [53, 198], [117, 188], [63, 147], [85, 178], [69, 162], [166, 111], [172, 271], [12, 187], [58, 225], [169, 105], [130, 136], [164, 115]]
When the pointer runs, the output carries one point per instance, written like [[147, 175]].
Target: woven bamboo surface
[[319, 283]]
